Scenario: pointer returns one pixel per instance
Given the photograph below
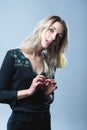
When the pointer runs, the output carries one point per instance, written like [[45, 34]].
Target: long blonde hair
[[54, 55]]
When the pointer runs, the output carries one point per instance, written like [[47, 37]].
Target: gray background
[[17, 20]]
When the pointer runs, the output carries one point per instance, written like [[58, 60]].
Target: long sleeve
[[6, 72]]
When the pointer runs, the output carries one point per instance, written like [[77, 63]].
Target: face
[[52, 33]]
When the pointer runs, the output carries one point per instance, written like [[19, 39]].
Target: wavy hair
[[54, 55]]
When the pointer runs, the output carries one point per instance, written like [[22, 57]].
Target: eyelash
[[51, 30], [58, 35]]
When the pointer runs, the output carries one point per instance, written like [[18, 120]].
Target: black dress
[[30, 113]]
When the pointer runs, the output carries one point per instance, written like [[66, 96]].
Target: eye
[[59, 36], [51, 30]]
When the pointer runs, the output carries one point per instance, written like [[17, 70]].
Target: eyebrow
[[53, 27], [56, 29]]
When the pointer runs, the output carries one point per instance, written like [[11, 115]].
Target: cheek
[[47, 34], [43, 35], [42, 39]]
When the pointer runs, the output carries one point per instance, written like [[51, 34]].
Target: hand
[[36, 83], [49, 86]]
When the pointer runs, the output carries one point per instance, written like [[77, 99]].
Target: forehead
[[57, 26]]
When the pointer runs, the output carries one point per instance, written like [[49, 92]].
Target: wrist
[[29, 92], [23, 93]]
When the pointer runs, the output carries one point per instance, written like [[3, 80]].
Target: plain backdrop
[[17, 20]]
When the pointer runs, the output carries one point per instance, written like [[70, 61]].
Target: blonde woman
[[27, 75]]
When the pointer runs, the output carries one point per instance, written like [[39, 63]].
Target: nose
[[53, 36]]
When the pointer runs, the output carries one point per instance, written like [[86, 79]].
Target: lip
[[48, 42]]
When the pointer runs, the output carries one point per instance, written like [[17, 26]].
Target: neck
[[36, 51]]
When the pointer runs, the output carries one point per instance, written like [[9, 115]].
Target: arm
[[49, 88], [36, 83], [6, 73]]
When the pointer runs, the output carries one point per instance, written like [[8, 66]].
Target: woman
[[27, 75]]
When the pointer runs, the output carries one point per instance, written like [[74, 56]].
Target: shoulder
[[14, 53], [9, 58], [18, 57]]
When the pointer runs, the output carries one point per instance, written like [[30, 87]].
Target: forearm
[[10, 96], [7, 96], [23, 93]]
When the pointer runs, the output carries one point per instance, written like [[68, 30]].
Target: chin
[[45, 47]]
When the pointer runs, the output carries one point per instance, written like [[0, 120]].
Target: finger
[[50, 79], [49, 83], [39, 83], [40, 77], [53, 83]]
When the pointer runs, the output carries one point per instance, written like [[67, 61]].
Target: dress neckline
[[31, 63]]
